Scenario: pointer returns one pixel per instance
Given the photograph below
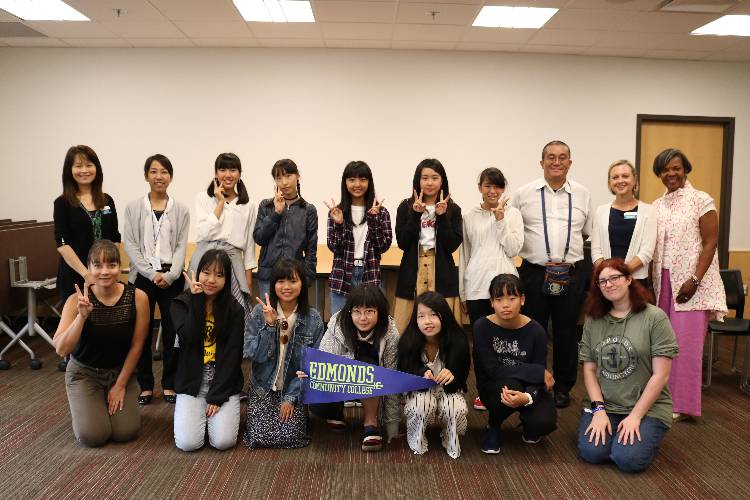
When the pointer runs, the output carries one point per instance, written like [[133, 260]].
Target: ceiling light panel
[[277, 11], [498, 16], [726, 26], [42, 10]]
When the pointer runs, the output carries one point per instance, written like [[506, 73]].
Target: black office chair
[[736, 327]]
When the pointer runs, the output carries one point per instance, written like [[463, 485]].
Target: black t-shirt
[[621, 228], [108, 331]]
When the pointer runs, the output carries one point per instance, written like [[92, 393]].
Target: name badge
[[630, 215], [106, 210], [155, 263]]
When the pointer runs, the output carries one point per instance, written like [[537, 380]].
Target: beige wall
[[325, 107]]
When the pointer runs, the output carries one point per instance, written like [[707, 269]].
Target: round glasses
[[612, 280]]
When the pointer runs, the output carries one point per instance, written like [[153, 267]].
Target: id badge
[[630, 215], [155, 263]]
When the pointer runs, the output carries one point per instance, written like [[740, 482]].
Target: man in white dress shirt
[[567, 203]]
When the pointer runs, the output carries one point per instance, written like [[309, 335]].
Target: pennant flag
[[334, 378]]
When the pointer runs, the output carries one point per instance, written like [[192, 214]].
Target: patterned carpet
[[707, 458]]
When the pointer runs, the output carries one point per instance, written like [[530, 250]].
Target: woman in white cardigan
[[155, 238], [625, 228]]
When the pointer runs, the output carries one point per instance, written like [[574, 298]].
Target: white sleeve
[[648, 240], [206, 224], [511, 232], [249, 253], [596, 239]]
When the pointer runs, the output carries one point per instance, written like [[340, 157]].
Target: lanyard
[[96, 221], [570, 220], [156, 224]]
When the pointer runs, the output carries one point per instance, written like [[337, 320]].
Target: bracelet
[[598, 408], [695, 280]]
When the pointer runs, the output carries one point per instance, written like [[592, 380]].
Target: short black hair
[[494, 176], [662, 160], [163, 161], [285, 269], [364, 295], [505, 284], [554, 143]]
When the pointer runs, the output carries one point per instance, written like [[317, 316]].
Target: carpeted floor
[[39, 458]]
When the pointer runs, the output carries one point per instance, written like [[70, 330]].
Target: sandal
[[372, 440]]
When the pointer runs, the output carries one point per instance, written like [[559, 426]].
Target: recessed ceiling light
[[498, 16], [276, 11], [726, 25], [42, 10]]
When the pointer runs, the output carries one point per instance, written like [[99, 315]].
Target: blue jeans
[[628, 458], [338, 300]]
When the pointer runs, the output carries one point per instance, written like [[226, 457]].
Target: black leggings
[[538, 420]]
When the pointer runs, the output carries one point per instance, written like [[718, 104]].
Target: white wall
[[324, 107]]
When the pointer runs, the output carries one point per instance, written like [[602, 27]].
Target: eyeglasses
[[612, 280], [367, 313]]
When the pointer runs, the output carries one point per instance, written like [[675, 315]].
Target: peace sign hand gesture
[[502, 204], [278, 200], [442, 205], [269, 312], [195, 286], [218, 191], [419, 205], [336, 213], [84, 305], [375, 209]]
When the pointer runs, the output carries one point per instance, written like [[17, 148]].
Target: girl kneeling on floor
[[364, 331], [510, 359], [434, 347], [280, 328]]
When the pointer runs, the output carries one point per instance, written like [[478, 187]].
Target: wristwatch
[[596, 404]]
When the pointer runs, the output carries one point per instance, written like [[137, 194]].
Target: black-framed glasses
[[612, 280]]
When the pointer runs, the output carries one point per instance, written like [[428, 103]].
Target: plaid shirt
[[341, 243]]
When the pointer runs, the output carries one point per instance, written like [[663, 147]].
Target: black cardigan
[[457, 359], [228, 378], [448, 237]]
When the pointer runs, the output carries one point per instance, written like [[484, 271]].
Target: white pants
[[424, 408], [190, 421]]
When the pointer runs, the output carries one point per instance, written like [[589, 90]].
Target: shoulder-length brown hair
[[597, 305], [70, 186]]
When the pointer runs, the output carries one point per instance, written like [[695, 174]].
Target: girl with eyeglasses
[[281, 325], [364, 331], [626, 350], [434, 347]]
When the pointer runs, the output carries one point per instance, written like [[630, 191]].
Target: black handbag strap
[[570, 223]]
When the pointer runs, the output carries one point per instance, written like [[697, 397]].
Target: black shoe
[[145, 399], [492, 441], [170, 398], [562, 399]]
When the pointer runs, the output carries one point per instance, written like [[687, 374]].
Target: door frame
[[727, 160]]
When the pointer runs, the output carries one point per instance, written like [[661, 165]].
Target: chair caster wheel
[[36, 364], [62, 365], [4, 365]]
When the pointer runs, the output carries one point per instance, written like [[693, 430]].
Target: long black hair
[[70, 186], [223, 300], [285, 269], [230, 161], [437, 167], [451, 338], [287, 166], [356, 169], [364, 295]]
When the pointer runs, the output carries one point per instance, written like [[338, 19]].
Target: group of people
[[636, 383]]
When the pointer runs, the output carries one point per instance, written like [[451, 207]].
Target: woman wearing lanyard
[[83, 214], [626, 228], [156, 232]]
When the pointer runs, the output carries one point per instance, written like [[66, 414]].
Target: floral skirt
[[265, 430]]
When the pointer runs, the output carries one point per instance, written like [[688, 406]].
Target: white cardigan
[[642, 243]]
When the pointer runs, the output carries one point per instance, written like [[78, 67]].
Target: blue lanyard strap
[[570, 223]]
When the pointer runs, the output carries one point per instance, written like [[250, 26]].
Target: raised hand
[[419, 205], [278, 200], [194, 285], [502, 204], [269, 312], [84, 305], [336, 213], [442, 205], [218, 191], [375, 209]]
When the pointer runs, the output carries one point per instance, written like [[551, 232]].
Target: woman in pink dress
[[686, 276]]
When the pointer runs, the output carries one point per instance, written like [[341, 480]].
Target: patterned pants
[[424, 408]]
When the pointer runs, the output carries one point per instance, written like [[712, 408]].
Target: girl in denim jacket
[[279, 328]]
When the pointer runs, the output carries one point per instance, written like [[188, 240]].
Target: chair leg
[[734, 355], [709, 360], [745, 380]]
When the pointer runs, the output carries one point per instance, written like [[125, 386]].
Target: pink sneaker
[[478, 405]]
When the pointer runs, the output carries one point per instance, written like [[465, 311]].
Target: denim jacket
[[262, 347]]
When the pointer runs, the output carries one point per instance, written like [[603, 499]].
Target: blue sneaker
[[492, 442]]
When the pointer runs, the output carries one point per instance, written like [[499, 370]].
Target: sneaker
[[352, 404], [372, 440], [530, 441], [491, 442], [478, 405], [680, 417], [336, 424]]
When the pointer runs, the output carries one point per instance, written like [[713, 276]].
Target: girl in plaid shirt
[[359, 231]]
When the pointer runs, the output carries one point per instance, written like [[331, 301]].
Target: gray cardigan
[[132, 238]]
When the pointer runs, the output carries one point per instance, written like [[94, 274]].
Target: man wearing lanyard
[[556, 215]]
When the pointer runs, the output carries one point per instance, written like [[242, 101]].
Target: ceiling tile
[[552, 49], [358, 44], [695, 42], [198, 10], [399, 44], [285, 30], [58, 29], [626, 40], [743, 8], [582, 38], [290, 42], [421, 13], [18, 29], [729, 56], [668, 22], [103, 10], [356, 31], [97, 42], [677, 54], [497, 35], [225, 42], [143, 29], [4, 16], [160, 42], [632, 5], [577, 19], [497, 47], [462, 2], [741, 44], [214, 29], [33, 42], [354, 12], [426, 32], [609, 51]]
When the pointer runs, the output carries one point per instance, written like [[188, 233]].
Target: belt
[[359, 262], [531, 264]]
